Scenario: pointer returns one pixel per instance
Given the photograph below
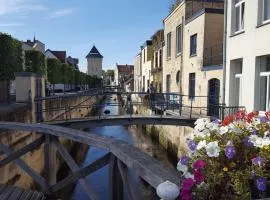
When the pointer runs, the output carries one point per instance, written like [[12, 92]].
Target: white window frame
[[239, 76], [241, 21], [263, 13], [267, 75]]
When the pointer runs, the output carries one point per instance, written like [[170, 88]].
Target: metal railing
[[159, 103]]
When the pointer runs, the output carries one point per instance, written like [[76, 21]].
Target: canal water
[[136, 136]]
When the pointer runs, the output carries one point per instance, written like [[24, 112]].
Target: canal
[[133, 135]]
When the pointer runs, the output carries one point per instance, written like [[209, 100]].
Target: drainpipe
[[224, 49], [181, 68]]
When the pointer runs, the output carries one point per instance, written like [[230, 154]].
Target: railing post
[[180, 104], [115, 180], [49, 162]]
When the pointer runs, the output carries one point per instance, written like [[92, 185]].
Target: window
[[191, 89], [266, 10], [178, 40], [156, 59], [144, 56], [239, 8], [178, 77], [264, 83], [160, 58], [169, 44], [193, 45]]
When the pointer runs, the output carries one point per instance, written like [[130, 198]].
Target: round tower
[[94, 60]]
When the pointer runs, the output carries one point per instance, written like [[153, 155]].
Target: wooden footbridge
[[120, 158]]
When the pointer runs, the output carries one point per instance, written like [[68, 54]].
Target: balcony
[[213, 56]]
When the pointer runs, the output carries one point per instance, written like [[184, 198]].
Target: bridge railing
[[120, 157], [185, 106]]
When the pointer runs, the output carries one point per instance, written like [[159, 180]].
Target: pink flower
[[198, 176], [187, 184], [199, 164], [186, 190]]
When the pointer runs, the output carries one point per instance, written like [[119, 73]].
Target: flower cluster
[[227, 159]]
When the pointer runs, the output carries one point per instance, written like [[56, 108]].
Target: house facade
[[157, 60], [202, 74], [137, 74], [174, 25], [94, 60], [124, 77], [248, 54], [146, 64]]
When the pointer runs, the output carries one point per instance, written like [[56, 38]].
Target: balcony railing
[[213, 55]]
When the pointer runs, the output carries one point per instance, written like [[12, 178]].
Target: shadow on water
[[99, 180]]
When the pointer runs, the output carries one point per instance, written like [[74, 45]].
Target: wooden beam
[[28, 170], [115, 181], [75, 176], [22, 151], [124, 174], [49, 162], [74, 167]]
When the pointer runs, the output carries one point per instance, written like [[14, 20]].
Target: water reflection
[[99, 180]]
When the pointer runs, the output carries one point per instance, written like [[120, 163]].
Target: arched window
[[178, 77]]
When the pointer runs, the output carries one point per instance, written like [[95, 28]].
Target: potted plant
[[228, 159]]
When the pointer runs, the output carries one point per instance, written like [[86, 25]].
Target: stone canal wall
[[172, 138], [11, 174]]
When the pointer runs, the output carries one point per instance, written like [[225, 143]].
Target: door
[[213, 97]]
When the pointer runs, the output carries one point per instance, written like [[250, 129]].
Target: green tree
[[53, 71], [35, 62], [10, 57]]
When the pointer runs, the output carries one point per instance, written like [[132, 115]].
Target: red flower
[[186, 190], [199, 164], [227, 120]]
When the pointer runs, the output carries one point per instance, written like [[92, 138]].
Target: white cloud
[[19, 6], [12, 24], [61, 13]]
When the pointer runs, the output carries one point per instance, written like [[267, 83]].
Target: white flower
[[212, 126], [200, 126], [201, 144], [256, 141], [202, 120], [189, 175], [233, 128], [223, 130], [212, 149], [182, 168], [266, 141]]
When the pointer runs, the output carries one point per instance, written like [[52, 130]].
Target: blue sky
[[116, 27]]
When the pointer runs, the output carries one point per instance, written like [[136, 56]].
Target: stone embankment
[[172, 138], [12, 174]]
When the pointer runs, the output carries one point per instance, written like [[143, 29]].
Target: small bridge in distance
[[160, 109]]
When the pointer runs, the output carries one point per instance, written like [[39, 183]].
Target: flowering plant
[[228, 159]]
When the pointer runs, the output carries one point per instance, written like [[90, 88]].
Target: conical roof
[[94, 53]]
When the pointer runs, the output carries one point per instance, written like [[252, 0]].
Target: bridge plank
[[151, 170], [75, 176], [21, 152], [28, 170], [74, 135], [74, 167], [16, 194]]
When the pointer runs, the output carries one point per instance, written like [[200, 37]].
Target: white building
[[94, 60], [137, 74], [248, 54]]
